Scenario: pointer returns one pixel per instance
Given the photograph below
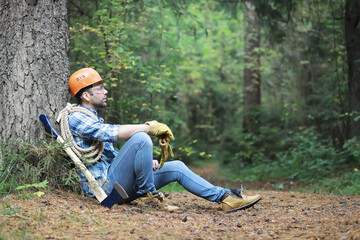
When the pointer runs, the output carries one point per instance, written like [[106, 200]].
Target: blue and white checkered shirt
[[85, 129]]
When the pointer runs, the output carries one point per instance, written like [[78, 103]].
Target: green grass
[[347, 184], [173, 187]]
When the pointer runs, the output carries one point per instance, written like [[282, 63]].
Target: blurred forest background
[[260, 88]]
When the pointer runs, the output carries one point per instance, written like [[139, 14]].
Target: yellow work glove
[[165, 150], [159, 130]]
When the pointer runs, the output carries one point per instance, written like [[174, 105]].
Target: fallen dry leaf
[[171, 208]]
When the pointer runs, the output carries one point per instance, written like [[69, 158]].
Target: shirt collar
[[92, 110]]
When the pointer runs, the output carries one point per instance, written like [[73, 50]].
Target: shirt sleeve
[[86, 126]]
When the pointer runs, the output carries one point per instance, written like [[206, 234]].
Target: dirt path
[[279, 215]]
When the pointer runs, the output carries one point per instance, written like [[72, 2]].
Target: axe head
[[46, 122], [117, 195]]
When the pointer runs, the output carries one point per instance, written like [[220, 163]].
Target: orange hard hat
[[83, 78]]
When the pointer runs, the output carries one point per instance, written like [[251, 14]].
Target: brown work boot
[[234, 200]]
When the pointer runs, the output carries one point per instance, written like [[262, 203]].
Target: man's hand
[[155, 164], [159, 130], [165, 151]]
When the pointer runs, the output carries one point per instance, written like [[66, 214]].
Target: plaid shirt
[[85, 129]]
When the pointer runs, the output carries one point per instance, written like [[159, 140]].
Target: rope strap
[[89, 155]]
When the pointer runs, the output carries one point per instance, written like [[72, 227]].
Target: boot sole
[[243, 207]]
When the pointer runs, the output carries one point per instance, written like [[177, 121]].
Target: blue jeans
[[132, 169]]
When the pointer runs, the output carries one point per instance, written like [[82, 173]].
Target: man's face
[[98, 95]]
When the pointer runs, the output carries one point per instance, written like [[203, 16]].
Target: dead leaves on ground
[[279, 215]]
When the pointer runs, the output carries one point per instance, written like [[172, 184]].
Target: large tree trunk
[[352, 37], [252, 68], [34, 65]]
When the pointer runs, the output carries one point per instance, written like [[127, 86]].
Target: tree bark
[[252, 75], [352, 38], [34, 65]]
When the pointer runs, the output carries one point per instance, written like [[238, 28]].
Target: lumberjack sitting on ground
[[133, 166]]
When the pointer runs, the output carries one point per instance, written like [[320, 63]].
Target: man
[[133, 166]]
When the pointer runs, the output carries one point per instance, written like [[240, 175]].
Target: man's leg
[[132, 167], [231, 201], [177, 171]]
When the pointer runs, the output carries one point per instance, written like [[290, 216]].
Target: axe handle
[[98, 191]]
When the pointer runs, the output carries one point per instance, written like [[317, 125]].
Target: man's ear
[[85, 96]]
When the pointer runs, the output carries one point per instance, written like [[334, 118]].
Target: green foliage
[[119, 50], [353, 146], [302, 156], [347, 184], [309, 158], [35, 186], [27, 166]]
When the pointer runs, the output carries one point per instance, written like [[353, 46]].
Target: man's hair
[[78, 96]]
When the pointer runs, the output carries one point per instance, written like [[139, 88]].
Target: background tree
[[352, 37], [34, 65], [252, 76]]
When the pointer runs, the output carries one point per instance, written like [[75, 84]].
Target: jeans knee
[[143, 138], [178, 165]]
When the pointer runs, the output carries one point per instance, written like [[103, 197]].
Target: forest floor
[[279, 215]]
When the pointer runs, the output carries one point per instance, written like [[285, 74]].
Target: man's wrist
[[147, 127]]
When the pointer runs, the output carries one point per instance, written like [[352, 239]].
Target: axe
[[118, 194]]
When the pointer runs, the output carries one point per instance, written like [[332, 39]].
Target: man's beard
[[100, 105]]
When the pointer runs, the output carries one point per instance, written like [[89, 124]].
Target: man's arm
[[127, 130]]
